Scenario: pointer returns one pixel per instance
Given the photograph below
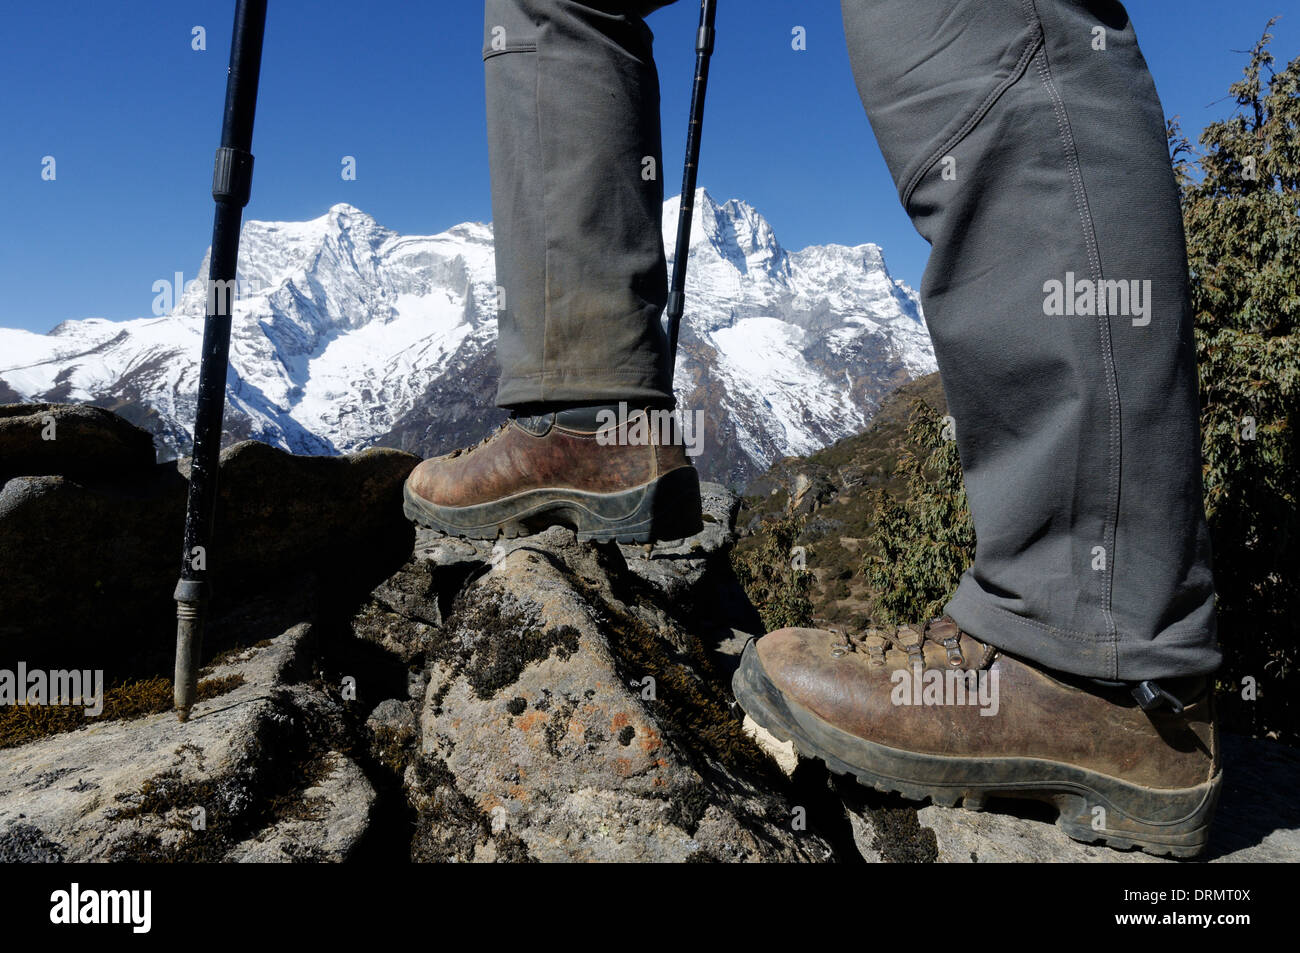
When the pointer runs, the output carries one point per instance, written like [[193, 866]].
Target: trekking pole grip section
[[232, 176]]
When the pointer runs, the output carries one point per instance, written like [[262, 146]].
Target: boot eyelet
[[875, 646], [955, 658]]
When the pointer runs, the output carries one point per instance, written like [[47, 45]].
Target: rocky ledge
[[377, 693]]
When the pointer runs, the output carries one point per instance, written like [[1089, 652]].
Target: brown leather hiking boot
[[624, 482], [936, 713]]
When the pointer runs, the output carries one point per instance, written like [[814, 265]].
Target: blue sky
[[132, 115]]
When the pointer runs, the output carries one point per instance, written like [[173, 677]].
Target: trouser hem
[[1176, 654], [555, 386]]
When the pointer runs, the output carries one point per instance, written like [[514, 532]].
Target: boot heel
[[666, 508], [1176, 823]]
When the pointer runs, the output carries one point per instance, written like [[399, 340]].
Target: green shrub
[[774, 574], [1241, 211], [922, 544]]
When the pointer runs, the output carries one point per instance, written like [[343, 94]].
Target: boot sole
[[1167, 822], [666, 508]]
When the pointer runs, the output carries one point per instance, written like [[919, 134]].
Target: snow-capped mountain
[[348, 335]]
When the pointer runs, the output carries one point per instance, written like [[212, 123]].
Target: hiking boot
[[628, 481], [936, 713]]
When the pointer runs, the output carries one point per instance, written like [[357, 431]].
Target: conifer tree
[[1241, 212], [775, 576], [923, 543]]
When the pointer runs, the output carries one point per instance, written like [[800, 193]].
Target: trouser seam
[[1070, 149], [1022, 65], [545, 219]]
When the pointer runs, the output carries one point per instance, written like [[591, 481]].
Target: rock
[[85, 566], [533, 699], [402, 612], [677, 567], [807, 486], [782, 752], [277, 510], [24, 844], [820, 527], [90, 531], [852, 475], [865, 837], [719, 505], [394, 730], [812, 491], [393, 714], [1256, 819], [253, 775], [332, 815], [569, 717], [964, 837], [75, 440]]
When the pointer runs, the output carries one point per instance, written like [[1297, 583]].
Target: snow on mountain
[[347, 335], [787, 351]]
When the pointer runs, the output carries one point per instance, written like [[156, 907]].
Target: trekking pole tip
[[189, 642]]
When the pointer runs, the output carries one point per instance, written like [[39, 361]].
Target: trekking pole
[[232, 178], [677, 292]]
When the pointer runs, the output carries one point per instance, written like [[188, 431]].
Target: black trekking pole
[[232, 178], [677, 292]]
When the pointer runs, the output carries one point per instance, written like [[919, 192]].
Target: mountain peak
[[341, 211], [734, 230], [345, 218]]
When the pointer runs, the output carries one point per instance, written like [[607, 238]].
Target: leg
[[573, 117], [573, 128], [1026, 154], [1034, 160]]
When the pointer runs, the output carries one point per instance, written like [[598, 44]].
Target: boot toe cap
[[434, 480], [800, 663]]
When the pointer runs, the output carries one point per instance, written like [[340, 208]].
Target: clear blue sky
[[132, 115]]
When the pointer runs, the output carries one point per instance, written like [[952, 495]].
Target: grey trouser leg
[[577, 200], [1025, 155]]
